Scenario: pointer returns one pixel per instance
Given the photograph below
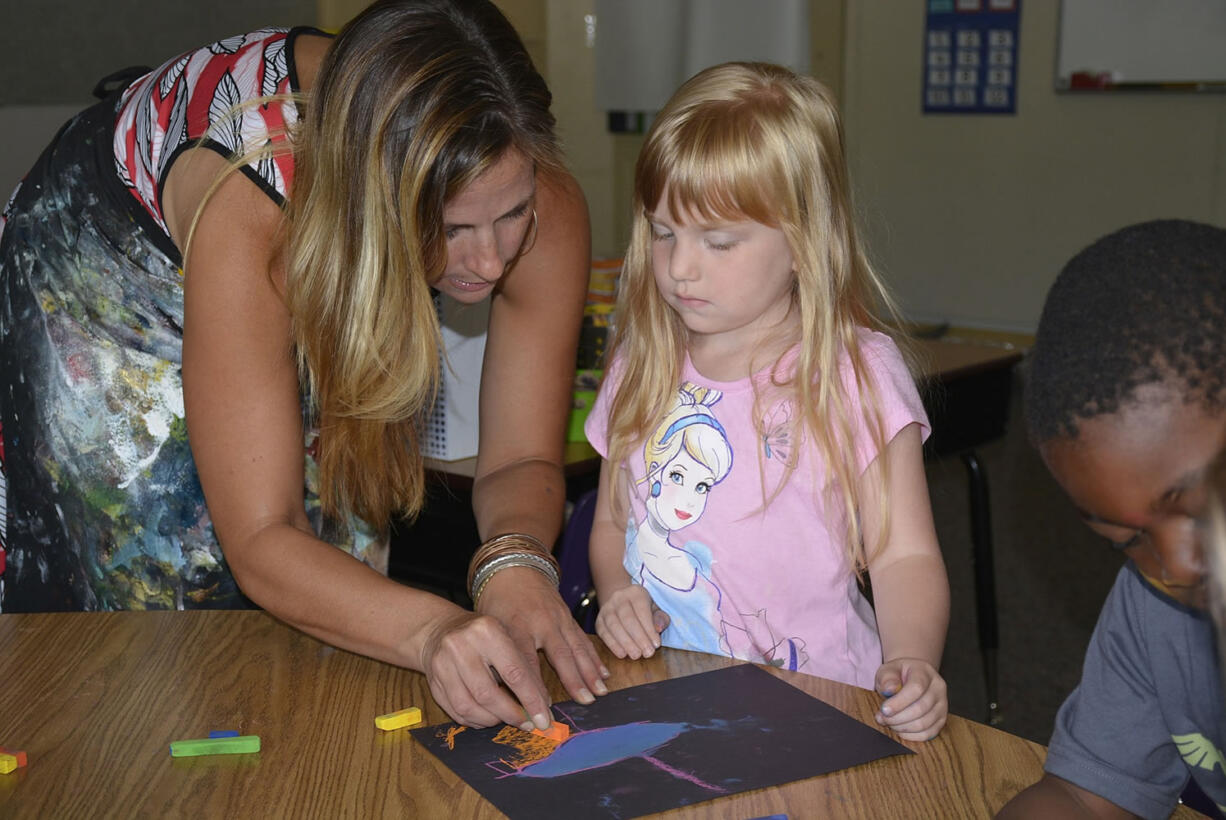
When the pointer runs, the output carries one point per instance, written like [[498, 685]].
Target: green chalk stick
[[243, 744]]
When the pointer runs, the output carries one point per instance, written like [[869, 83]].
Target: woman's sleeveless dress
[[104, 506]]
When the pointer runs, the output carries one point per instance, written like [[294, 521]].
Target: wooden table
[[96, 698]]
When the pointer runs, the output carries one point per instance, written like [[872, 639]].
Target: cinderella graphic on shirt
[[685, 458]]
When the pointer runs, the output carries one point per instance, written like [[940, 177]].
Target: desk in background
[[96, 698], [966, 388]]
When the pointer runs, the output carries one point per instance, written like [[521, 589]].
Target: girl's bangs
[[712, 170]]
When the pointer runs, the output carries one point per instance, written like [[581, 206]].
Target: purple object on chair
[[576, 573]]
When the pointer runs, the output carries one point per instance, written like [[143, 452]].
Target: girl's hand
[[630, 623], [465, 657], [916, 705]]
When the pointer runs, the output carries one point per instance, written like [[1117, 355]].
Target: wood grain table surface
[[96, 698]]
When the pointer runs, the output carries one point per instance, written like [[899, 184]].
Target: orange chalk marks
[[448, 735], [529, 746]]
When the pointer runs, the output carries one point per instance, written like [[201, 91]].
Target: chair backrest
[[576, 573]]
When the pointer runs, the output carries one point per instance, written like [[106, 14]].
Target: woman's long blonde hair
[[413, 101], [757, 141]]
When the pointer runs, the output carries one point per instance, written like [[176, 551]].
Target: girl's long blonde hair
[[413, 101], [757, 141]]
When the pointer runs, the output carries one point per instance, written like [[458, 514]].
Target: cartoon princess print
[[685, 458]]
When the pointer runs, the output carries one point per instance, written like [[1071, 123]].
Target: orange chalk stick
[[398, 720], [17, 753], [558, 731]]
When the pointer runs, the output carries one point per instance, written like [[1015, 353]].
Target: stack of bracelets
[[512, 549]]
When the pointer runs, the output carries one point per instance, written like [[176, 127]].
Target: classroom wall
[[27, 128], [603, 163], [971, 216]]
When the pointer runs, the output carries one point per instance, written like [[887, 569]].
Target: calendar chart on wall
[[970, 56]]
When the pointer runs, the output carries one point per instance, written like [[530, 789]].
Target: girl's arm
[[628, 622], [526, 384], [910, 592], [240, 387]]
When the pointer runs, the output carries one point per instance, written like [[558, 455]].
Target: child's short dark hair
[[1141, 305]]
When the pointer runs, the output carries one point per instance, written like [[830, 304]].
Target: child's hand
[[630, 623], [916, 704]]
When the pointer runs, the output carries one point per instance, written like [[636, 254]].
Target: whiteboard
[[1136, 43]]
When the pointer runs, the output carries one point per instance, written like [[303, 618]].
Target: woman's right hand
[[630, 623], [465, 656]]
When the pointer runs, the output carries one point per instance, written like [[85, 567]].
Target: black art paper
[[660, 746]]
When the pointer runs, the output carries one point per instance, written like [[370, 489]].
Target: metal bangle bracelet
[[490, 566], [516, 559], [510, 541], [542, 568]]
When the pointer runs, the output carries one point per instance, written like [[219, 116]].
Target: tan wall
[[603, 162], [332, 14], [570, 70], [970, 216]]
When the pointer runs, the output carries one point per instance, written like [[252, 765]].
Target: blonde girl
[[745, 275], [214, 378]]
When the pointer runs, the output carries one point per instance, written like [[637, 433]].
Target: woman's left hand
[[535, 616], [916, 704]]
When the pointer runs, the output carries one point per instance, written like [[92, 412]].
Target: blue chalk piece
[[223, 733]]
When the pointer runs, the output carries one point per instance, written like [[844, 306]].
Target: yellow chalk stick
[[17, 753], [397, 720], [7, 763]]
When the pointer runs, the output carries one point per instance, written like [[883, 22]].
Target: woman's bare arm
[[244, 422], [526, 389]]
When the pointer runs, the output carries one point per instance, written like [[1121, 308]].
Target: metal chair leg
[[985, 577]]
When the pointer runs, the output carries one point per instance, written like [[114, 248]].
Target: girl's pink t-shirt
[[769, 585]]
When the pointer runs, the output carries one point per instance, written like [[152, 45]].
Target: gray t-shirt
[[1148, 711]]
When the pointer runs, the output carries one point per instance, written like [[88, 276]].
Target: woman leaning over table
[[173, 332]]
